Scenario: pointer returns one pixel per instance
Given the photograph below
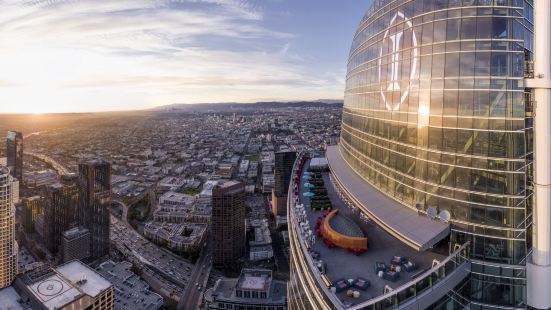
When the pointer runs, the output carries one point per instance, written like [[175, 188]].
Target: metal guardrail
[[407, 292]]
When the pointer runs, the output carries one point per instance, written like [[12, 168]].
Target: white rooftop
[[76, 271], [253, 283], [66, 285]]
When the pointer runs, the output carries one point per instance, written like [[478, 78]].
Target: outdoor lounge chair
[[391, 275], [397, 260], [361, 284], [409, 265], [341, 285]]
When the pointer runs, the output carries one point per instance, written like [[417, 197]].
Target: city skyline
[[78, 56], [425, 185]]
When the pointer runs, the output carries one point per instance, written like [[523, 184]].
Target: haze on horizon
[[114, 55]]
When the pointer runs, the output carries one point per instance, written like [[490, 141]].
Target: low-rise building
[[177, 199], [70, 286], [254, 289], [177, 237], [131, 293], [171, 183]]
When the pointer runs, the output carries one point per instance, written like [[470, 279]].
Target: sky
[[113, 55]]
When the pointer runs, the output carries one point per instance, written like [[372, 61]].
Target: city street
[[192, 294]]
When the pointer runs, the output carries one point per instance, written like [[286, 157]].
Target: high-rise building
[[33, 207], [95, 199], [75, 244], [282, 171], [8, 248], [59, 214], [15, 154], [228, 223], [436, 149], [282, 174]]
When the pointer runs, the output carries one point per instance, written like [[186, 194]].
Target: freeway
[[169, 269], [62, 170], [193, 293]]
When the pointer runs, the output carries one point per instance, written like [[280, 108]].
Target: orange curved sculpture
[[356, 244]]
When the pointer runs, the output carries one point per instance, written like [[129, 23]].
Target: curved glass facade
[[436, 115]]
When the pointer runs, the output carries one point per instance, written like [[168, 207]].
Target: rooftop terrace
[[343, 265]]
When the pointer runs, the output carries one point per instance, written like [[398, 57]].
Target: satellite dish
[[431, 212], [445, 216]]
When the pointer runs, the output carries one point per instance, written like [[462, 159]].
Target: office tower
[[436, 149], [8, 248], [75, 244], [59, 214], [33, 207], [282, 173], [228, 223], [95, 199], [15, 154]]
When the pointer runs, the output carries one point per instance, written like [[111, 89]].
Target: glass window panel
[[499, 64], [427, 33], [438, 65], [499, 27], [452, 65], [467, 62], [453, 29], [468, 28], [484, 28]]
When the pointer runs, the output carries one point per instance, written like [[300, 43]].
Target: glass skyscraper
[[14, 150], [437, 117]]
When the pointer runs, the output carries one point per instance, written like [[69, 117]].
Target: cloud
[[173, 51]]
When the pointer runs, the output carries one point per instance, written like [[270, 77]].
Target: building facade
[[14, 153], [437, 117], [59, 214], [8, 248], [228, 223], [95, 199]]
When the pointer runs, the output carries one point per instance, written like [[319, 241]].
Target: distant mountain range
[[228, 106]]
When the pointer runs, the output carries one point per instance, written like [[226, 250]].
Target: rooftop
[[341, 264], [130, 291], [74, 232], [259, 280], [254, 281], [177, 198], [76, 271], [67, 283], [418, 231]]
